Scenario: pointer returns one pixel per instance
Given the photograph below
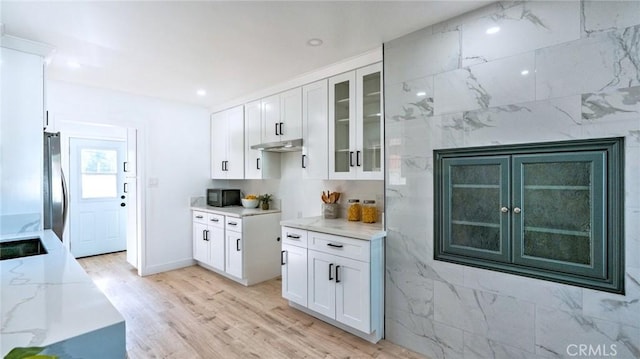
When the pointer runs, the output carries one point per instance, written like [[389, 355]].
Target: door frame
[[88, 130]]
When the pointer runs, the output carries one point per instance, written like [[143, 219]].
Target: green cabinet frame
[[551, 210]]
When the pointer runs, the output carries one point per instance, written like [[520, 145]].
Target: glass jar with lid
[[354, 211], [369, 211]]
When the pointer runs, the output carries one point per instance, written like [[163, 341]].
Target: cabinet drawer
[[342, 246], [233, 224], [294, 236], [199, 217], [215, 220]]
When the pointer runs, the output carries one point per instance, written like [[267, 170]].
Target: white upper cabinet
[[258, 164], [227, 144], [282, 116], [315, 130], [356, 124]]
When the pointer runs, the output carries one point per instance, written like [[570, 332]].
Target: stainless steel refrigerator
[[56, 196]]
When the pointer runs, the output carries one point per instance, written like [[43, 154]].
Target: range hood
[[280, 146]]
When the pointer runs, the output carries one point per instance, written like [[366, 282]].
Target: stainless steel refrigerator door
[[55, 192]]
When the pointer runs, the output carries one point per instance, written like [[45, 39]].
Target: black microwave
[[222, 197]]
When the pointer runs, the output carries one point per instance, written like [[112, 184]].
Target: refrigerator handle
[[65, 200]]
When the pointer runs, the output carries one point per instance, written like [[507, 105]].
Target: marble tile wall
[[553, 71]]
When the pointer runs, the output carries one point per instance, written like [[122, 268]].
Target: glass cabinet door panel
[[341, 135], [371, 119], [475, 191], [561, 214]]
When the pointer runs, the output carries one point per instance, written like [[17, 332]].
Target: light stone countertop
[[49, 298], [233, 211], [339, 227]]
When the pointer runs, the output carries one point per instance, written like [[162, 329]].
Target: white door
[[321, 295], [98, 213], [218, 145], [271, 118], [233, 265], [235, 143], [294, 274], [216, 240], [252, 131], [315, 123], [290, 127], [353, 300], [200, 243]]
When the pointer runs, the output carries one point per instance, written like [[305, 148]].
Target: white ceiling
[[170, 49]]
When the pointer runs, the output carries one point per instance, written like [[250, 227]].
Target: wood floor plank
[[195, 313]]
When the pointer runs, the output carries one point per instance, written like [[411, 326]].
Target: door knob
[[504, 209], [122, 204], [517, 210]]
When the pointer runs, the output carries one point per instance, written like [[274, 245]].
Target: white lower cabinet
[[293, 259], [234, 254], [244, 249], [208, 239], [344, 280]]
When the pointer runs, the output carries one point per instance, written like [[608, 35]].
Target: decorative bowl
[[249, 203]]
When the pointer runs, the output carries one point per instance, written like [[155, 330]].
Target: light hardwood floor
[[194, 313]]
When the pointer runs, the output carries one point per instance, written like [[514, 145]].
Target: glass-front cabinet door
[[342, 126], [558, 211], [369, 146], [476, 207], [356, 124]]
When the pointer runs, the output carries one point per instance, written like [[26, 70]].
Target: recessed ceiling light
[[421, 94], [314, 42], [201, 92], [493, 30], [73, 64], [524, 72]]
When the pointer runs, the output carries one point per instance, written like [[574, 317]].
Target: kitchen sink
[[21, 248]]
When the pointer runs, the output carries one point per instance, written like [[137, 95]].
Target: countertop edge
[[371, 233], [234, 211]]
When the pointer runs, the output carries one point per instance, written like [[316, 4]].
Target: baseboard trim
[[159, 268]]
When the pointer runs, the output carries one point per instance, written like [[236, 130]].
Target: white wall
[[173, 146], [298, 197]]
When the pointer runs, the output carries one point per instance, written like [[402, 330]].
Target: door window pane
[[341, 135], [99, 177]]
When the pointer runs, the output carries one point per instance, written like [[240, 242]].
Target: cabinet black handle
[[238, 245], [294, 236], [281, 133], [257, 163], [282, 258], [358, 159], [204, 235], [214, 220], [199, 217], [277, 134], [303, 162], [335, 245], [232, 223], [337, 273], [124, 167], [330, 265], [351, 159], [222, 164]]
